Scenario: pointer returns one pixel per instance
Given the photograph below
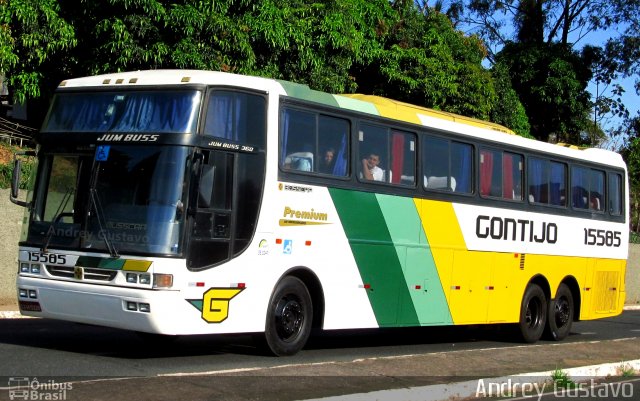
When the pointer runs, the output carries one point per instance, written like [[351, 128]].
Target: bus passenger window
[[501, 174], [547, 182], [236, 116], [298, 140], [386, 155], [373, 154], [447, 165], [614, 194], [579, 187], [333, 146]]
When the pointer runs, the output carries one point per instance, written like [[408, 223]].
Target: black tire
[[289, 318], [560, 316], [533, 314]]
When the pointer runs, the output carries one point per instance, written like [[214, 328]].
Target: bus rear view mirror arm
[[15, 179]]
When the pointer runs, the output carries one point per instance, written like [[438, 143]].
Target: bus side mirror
[[15, 179]]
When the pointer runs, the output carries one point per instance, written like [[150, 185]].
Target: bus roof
[[369, 104]]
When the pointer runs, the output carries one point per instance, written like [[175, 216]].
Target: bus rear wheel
[[289, 317], [533, 314], [560, 314]]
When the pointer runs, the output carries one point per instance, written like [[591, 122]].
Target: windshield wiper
[[94, 201], [56, 217]]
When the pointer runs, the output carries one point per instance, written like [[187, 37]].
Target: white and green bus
[[200, 202]]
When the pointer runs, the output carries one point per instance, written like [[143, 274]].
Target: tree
[[32, 37], [543, 23], [508, 110], [631, 154], [551, 82], [425, 61], [393, 49]]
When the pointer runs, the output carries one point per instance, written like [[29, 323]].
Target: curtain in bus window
[[461, 167], [223, 117], [557, 188], [486, 172], [537, 180], [81, 113], [580, 187], [153, 112], [397, 149], [507, 174], [123, 112], [340, 167]]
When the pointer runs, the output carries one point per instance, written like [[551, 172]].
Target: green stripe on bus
[[101, 263], [304, 92], [421, 276], [357, 105], [376, 257]]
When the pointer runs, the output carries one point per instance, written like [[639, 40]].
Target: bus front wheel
[[533, 314], [560, 314], [289, 317]]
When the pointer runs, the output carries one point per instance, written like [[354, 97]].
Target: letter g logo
[[215, 303]]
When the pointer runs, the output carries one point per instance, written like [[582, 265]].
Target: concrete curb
[[527, 384]]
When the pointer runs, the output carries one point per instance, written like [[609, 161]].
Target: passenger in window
[[328, 161], [370, 169]]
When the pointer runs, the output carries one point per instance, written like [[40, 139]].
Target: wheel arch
[[314, 286], [543, 283], [572, 283]]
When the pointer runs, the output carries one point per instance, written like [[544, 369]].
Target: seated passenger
[[328, 162], [370, 169]]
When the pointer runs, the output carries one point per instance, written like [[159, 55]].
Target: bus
[[178, 202]]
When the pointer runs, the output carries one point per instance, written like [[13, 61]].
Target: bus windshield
[[124, 111], [130, 201]]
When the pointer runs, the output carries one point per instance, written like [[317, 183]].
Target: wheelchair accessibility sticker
[[288, 247]]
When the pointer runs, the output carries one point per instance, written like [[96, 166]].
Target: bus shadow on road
[[104, 341]]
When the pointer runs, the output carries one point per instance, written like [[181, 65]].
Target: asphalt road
[[101, 363]]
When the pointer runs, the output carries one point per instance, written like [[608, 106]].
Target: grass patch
[[561, 379]]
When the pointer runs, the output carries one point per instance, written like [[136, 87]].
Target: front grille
[[89, 273]]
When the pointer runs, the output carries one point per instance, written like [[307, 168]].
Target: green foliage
[[551, 81], [561, 379], [396, 49], [631, 154], [426, 61], [32, 33], [6, 170], [508, 111]]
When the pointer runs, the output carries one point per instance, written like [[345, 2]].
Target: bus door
[[224, 204]]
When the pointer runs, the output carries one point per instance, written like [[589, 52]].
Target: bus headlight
[[132, 278], [24, 267], [145, 279]]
